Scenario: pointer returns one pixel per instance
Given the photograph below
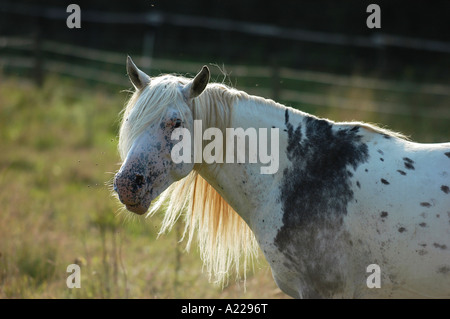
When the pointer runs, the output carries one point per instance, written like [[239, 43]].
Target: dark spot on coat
[[422, 252], [366, 170], [406, 159], [408, 163], [443, 270], [384, 214], [381, 159], [425, 204], [409, 166], [358, 184], [440, 246], [401, 172], [401, 229], [445, 189], [384, 181], [386, 136], [381, 152], [423, 224], [447, 154]]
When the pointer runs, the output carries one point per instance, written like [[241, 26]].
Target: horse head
[[161, 105]]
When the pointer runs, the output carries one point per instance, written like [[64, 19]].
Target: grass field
[[58, 149]]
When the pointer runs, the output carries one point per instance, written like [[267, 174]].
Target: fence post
[[148, 46], [382, 53], [275, 79], [37, 53]]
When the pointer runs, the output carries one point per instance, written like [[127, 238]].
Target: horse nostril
[[139, 180]]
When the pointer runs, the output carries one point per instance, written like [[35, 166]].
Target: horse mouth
[[138, 208], [138, 204]]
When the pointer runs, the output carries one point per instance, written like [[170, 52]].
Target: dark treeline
[[427, 20]]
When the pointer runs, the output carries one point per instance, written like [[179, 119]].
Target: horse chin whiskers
[[125, 215], [110, 184]]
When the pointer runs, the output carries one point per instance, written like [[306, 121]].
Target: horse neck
[[241, 184]]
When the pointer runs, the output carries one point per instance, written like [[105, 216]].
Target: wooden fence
[[30, 54]]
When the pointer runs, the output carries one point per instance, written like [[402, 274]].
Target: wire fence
[[31, 56]]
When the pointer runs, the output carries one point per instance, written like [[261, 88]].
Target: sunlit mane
[[225, 241]]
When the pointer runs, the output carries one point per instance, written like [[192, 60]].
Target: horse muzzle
[[131, 191]]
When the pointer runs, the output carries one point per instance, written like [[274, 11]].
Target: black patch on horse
[[318, 182], [315, 191]]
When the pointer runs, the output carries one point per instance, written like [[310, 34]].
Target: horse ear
[[197, 85], [137, 77]]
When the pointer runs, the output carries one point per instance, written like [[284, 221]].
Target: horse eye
[[177, 123]]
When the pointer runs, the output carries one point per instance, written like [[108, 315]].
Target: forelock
[[148, 106]]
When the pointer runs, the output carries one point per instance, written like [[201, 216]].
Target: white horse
[[346, 195]]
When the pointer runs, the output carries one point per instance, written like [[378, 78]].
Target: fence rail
[[156, 18], [30, 59]]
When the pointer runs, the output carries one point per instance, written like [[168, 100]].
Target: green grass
[[58, 151]]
